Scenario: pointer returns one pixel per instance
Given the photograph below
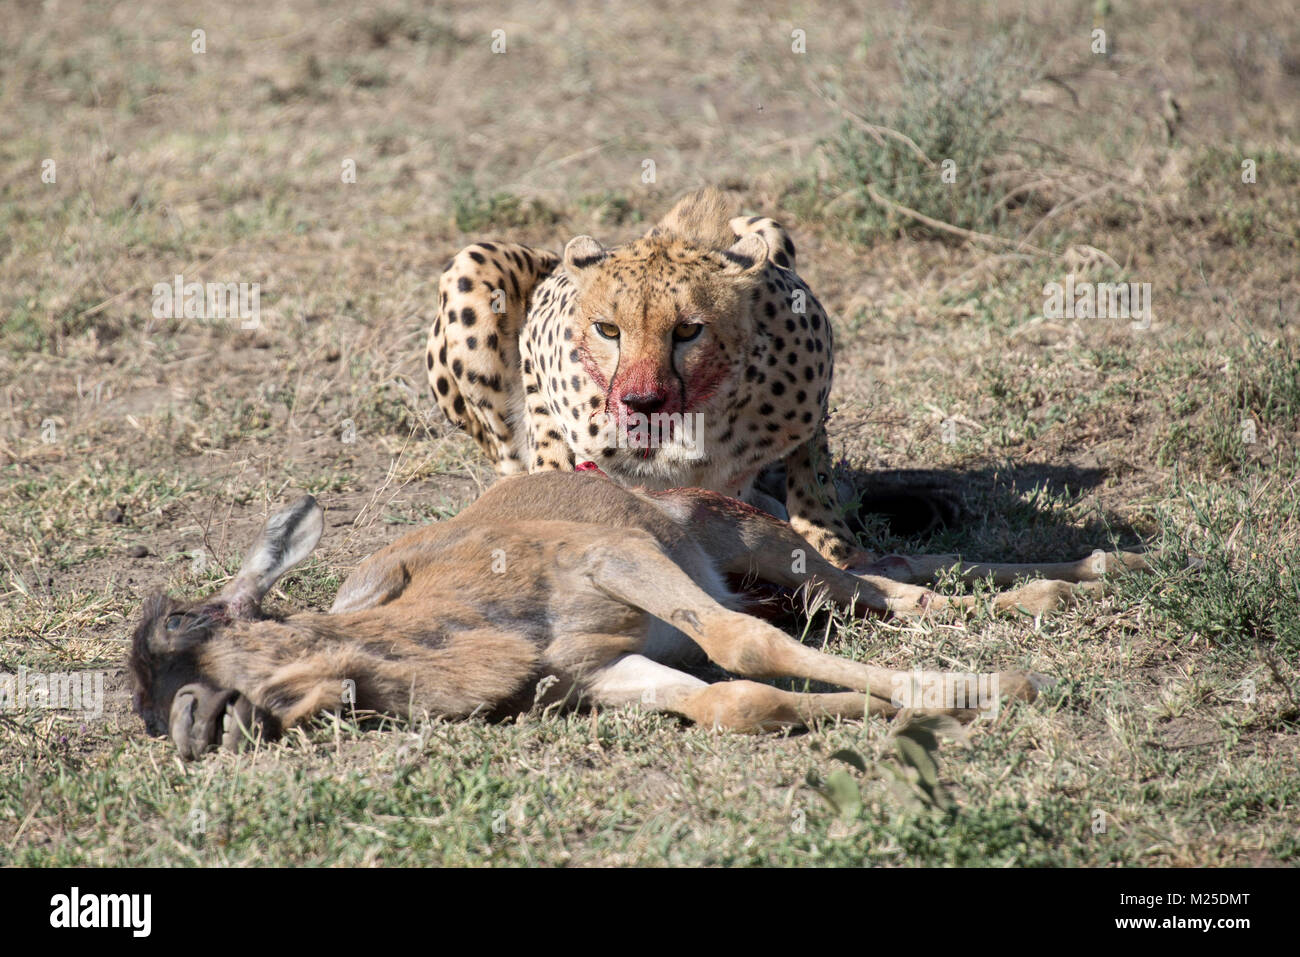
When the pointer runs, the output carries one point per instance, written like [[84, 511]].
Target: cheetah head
[[663, 325]]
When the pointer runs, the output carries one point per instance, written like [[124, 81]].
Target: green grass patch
[[940, 150]]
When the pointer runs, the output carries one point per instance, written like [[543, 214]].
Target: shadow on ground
[[1030, 506]]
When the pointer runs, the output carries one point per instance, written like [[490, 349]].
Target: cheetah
[[693, 356]]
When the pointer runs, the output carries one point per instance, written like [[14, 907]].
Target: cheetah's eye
[[173, 622], [607, 330], [686, 331]]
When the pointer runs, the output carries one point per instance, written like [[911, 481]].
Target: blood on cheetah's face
[[663, 326]]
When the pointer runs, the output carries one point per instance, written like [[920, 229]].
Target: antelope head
[[171, 692]]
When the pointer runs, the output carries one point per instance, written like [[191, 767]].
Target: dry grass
[[118, 430]]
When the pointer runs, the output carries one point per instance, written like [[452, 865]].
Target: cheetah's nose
[[645, 402]]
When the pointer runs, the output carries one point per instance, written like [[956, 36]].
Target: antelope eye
[[173, 622], [686, 331], [607, 330]]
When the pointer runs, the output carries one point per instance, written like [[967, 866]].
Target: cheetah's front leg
[[813, 504], [473, 355]]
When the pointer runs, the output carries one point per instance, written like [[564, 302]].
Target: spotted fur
[[548, 360]]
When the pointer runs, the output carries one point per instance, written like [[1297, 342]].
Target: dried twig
[[1069, 204], [875, 129], [1025, 188], [1019, 245]]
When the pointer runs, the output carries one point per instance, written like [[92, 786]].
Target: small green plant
[[940, 150], [911, 775], [473, 210], [610, 208]]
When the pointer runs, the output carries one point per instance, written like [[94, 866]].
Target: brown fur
[[556, 584]]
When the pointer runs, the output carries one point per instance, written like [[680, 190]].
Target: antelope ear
[[748, 256], [288, 538], [580, 255]]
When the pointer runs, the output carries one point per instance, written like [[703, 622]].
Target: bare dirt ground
[[139, 453]]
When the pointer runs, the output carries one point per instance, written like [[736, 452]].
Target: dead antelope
[[553, 587]]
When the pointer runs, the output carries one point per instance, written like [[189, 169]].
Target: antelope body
[[555, 575]]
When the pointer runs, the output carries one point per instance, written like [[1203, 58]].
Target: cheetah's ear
[[580, 255], [747, 257]]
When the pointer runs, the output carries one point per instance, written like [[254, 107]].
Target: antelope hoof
[[204, 719]]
